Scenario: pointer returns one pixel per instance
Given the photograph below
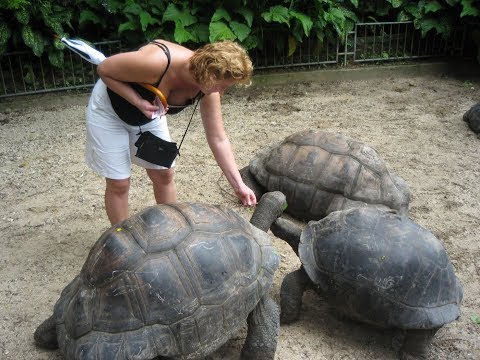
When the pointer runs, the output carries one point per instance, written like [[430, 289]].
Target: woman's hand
[[148, 109], [246, 195]]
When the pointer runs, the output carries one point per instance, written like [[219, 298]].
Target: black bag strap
[[191, 118]]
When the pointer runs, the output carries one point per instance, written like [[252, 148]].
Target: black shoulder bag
[[157, 151]]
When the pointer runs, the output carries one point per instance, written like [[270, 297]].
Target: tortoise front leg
[[263, 331], [416, 343], [46, 334], [291, 293]]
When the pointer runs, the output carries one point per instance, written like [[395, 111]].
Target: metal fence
[[367, 42], [23, 73]]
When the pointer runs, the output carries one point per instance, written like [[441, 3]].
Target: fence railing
[[22, 73], [367, 42]]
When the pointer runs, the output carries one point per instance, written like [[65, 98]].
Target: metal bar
[[355, 43], [390, 41], [43, 74], [21, 73], [11, 74], [3, 79], [48, 90], [382, 39]]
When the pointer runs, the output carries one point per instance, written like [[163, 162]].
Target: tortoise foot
[[46, 334]]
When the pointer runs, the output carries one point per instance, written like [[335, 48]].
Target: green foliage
[[31, 24], [475, 318], [438, 16]]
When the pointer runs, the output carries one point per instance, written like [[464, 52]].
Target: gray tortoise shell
[[320, 172], [472, 117], [381, 268], [174, 280]]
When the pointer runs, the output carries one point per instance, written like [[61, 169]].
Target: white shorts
[[110, 149]]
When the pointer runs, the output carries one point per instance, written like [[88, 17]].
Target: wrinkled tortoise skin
[[174, 280], [320, 172]]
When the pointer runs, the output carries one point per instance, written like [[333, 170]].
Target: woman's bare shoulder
[[173, 47]]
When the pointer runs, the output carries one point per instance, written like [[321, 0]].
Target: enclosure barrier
[[23, 73]]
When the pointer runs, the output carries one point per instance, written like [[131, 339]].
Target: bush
[[27, 24]]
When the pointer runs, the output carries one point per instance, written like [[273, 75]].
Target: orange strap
[[157, 92]]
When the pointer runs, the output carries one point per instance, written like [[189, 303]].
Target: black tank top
[[131, 114]]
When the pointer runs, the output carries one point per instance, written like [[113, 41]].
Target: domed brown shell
[[174, 281], [320, 172]]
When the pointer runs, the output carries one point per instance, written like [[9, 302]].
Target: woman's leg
[[116, 199], [163, 185]]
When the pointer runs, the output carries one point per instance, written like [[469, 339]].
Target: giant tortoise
[[472, 118], [172, 282], [377, 267], [320, 172]]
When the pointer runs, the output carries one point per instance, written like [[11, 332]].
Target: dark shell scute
[[174, 280], [365, 259], [320, 172]]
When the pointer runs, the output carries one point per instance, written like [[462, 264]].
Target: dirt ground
[[52, 208]]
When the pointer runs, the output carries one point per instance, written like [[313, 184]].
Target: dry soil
[[52, 205]]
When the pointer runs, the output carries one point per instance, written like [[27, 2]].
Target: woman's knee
[[118, 186], [163, 177]]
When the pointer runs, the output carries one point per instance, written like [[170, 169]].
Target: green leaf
[[5, 33], [133, 8], [173, 14], [220, 31], [146, 19], [220, 14], [33, 40], [181, 35], [27, 35], [414, 10], [240, 30], [305, 20], [277, 14], [56, 58], [475, 318], [337, 14], [23, 16], [395, 3], [292, 45], [469, 9], [426, 25], [87, 16], [251, 42], [354, 3], [113, 6], [432, 6], [200, 31], [55, 24], [14, 5], [126, 26], [247, 15]]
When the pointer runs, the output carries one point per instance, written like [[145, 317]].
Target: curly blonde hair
[[221, 60]]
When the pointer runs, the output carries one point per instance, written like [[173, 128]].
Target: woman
[[119, 109]]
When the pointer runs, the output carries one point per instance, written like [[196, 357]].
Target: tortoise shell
[[173, 280], [472, 117], [320, 172], [381, 268]]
